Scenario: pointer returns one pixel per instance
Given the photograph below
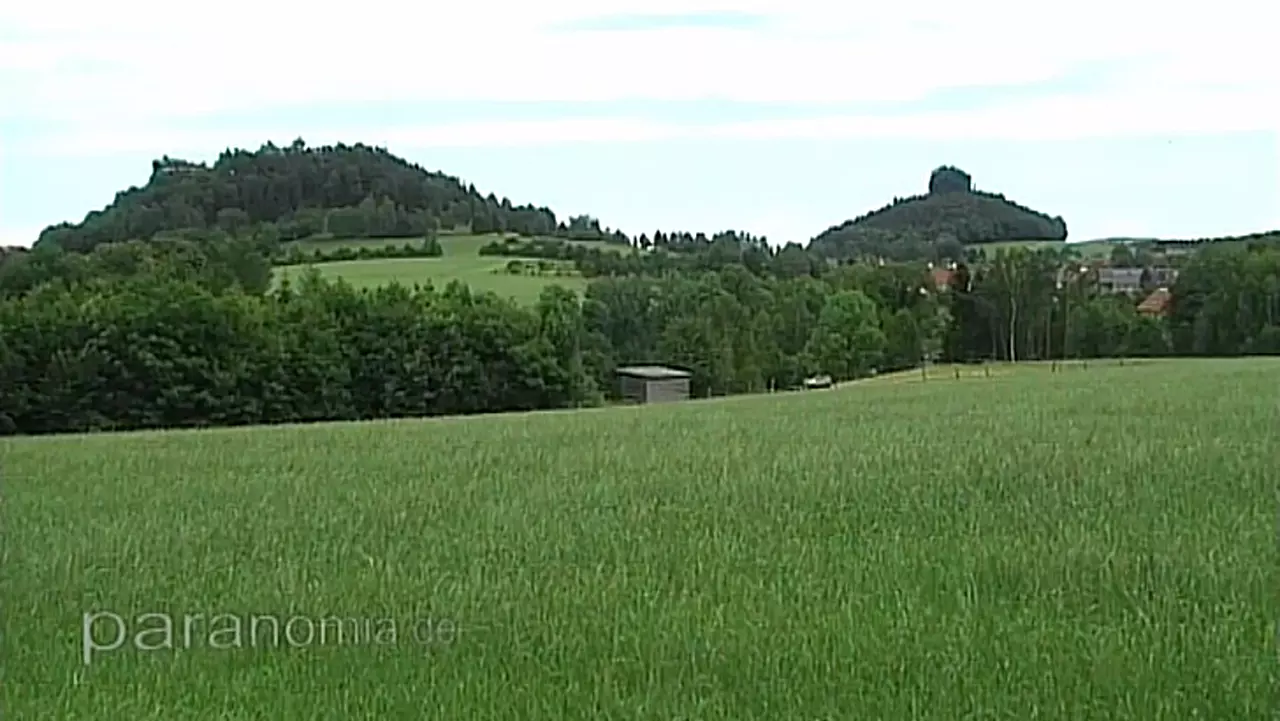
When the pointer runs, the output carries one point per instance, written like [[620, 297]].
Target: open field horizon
[[462, 262], [1090, 544]]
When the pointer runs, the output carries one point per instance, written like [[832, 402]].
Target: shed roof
[[653, 373]]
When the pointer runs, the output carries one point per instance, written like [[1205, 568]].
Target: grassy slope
[[460, 261], [1087, 249], [1095, 544]]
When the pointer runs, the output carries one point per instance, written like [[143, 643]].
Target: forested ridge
[[101, 329], [939, 223], [346, 191]]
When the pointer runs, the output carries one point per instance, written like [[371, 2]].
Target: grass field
[[1092, 544], [460, 261], [1093, 249], [1089, 249]]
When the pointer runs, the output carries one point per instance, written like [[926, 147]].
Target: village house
[[1120, 280], [1133, 280], [941, 278], [1157, 304]]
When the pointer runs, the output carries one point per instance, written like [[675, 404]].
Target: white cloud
[[21, 237], [671, 64], [107, 140], [1061, 118], [118, 76], [147, 61]]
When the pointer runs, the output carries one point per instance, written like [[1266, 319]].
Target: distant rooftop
[[1130, 274], [1157, 303], [653, 373]]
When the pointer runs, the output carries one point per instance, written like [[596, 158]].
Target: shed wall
[[632, 388], [666, 391], [641, 390]]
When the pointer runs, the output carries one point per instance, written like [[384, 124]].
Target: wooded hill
[[188, 327], [354, 191], [939, 223], [297, 192]]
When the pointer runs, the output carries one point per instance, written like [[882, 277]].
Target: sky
[[776, 117]]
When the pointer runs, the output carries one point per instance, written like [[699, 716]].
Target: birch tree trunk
[[1013, 324]]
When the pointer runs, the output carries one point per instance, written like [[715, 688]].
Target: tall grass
[[1085, 545]]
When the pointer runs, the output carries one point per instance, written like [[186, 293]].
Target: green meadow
[[1096, 543], [1087, 250], [461, 261]]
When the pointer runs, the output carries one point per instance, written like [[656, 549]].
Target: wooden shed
[[654, 384]]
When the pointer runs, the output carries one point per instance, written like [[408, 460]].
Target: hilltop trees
[[345, 191], [949, 179], [938, 225]]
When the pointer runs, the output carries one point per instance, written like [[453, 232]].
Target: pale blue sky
[[779, 118]]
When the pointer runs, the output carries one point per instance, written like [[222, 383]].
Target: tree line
[[356, 191], [160, 310], [595, 260], [187, 331], [295, 192], [295, 254], [938, 225]]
